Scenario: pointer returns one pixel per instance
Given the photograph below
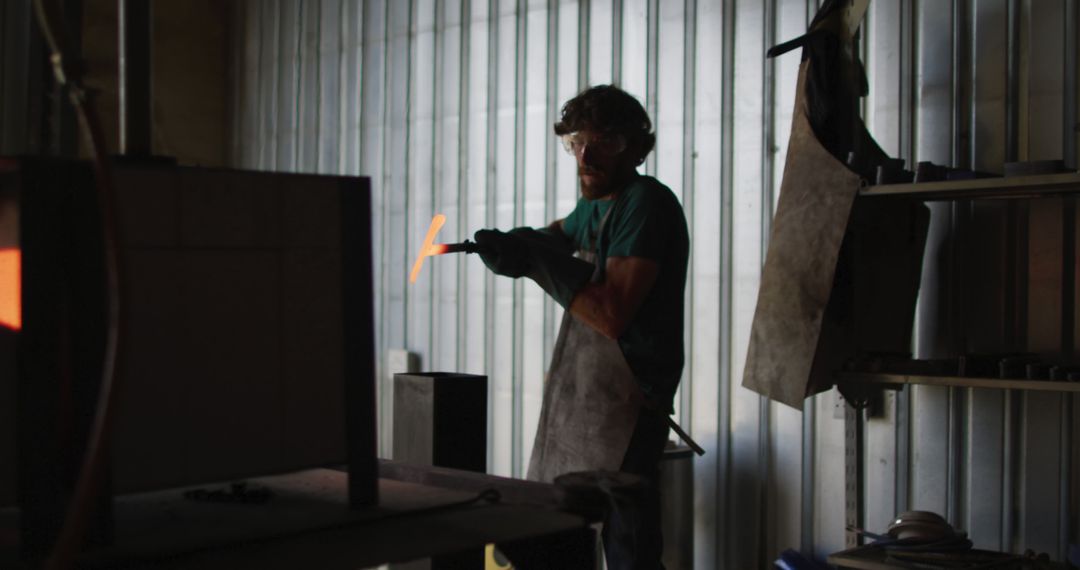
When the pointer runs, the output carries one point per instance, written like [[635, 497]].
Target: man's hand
[[503, 253], [543, 255]]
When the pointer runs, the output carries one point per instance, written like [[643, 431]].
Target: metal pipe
[[135, 110]]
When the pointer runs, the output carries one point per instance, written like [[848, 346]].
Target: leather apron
[[591, 399]]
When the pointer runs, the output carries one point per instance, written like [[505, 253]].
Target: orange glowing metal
[[428, 247], [10, 293]]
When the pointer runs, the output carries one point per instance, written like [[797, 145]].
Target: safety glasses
[[607, 145]]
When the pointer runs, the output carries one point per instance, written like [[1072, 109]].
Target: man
[[619, 355]]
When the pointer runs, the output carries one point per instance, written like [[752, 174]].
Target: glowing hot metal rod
[[429, 248]]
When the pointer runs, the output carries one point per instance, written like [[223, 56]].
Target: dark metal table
[[422, 512]]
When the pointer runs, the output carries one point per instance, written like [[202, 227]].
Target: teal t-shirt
[[646, 221]]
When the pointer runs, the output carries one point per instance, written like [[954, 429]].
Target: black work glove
[[503, 253], [542, 255]]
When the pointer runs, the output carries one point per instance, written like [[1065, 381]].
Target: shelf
[[958, 382], [869, 557], [1037, 186]]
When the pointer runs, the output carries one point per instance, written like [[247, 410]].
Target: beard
[[594, 184]]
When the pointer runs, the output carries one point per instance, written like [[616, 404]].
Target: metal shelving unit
[[1033, 186], [897, 381], [1013, 187]]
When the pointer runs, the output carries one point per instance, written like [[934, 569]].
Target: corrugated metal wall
[[447, 105], [16, 77]]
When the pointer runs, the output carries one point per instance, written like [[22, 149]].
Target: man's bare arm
[[609, 307]]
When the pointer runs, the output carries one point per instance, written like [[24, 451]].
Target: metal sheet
[[708, 299], [349, 112], [538, 143], [743, 488], [670, 107], [446, 183], [829, 532], [989, 89], [268, 15], [396, 248], [984, 482], [328, 88], [934, 84], [504, 349], [307, 97], [1042, 88], [420, 185], [880, 465], [14, 76], [285, 137], [1040, 471], [601, 48], [246, 155], [929, 444]]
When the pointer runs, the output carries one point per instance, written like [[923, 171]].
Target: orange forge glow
[[10, 288], [428, 247]]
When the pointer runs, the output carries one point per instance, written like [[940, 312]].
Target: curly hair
[[610, 110]]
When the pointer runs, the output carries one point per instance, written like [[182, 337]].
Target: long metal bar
[[1071, 124], [135, 21], [518, 391], [688, 184], [724, 463]]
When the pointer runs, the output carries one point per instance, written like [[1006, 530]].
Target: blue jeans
[[632, 535]]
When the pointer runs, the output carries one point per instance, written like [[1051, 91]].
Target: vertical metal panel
[[447, 200], [504, 348], [420, 185], [538, 143], [552, 157], [397, 239], [330, 46], [705, 297], [288, 66], [600, 41], [567, 86], [352, 76], [308, 100], [669, 97], [880, 465], [268, 15], [475, 192], [1039, 496], [989, 88], [683, 393], [984, 457], [933, 89], [1042, 86], [829, 532], [652, 64], [785, 433], [885, 72], [248, 108], [1071, 131], [744, 486], [635, 46], [6, 85], [337, 81], [15, 69], [929, 456]]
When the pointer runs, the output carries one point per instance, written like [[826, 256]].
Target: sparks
[[428, 247]]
